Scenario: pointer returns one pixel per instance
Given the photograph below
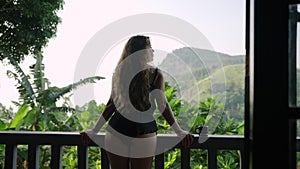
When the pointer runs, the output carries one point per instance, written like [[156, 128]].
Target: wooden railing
[[59, 139]]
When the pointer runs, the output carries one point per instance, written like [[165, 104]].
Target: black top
[[131, 128]]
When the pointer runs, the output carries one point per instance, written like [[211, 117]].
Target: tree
[[26, 26]]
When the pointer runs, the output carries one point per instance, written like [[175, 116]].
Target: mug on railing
[[203, 133]]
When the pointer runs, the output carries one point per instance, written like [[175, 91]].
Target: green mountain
[[195, 57], [186, 63], [199, 74]]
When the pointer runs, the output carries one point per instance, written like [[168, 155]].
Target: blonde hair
[[131, 80]]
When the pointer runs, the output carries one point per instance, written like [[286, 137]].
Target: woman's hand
[[186, 137], [187, 140], [85, 138]]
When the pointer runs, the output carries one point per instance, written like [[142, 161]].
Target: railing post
[[212, 158], [82, 157], [56, 157], [10, 156], [159, 161], [33, 156], [185, 158], [104, 159]]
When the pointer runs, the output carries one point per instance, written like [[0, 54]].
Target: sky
[[222, 22]]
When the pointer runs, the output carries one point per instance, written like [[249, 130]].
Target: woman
[[130, 139]]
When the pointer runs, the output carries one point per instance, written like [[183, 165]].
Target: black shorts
[[131, 128]]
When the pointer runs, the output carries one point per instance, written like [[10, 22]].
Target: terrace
[[263, 21]]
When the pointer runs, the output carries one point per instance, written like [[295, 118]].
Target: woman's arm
[[105, 115], [164, 107]]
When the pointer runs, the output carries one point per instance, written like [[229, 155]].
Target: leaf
[[30, 116], [22, 112], [241, 129], [62, 109], [37, 70], [52, 94], [3, 125], [23, 82]]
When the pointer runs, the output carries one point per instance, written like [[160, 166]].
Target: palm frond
[[85, 81], [17, 104], [23, 94], [61, 109], [24, 86], [37, 70], [52, 94]]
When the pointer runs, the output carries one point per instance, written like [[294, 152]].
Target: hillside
[[235, 89], [194, 71], [195, 57], [186, 63]]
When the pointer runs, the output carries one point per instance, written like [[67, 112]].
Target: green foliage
[[45, 156], [171, 158], [6, 114], [199, 159], [200, 116], [70, 157], [203, 70], [83, 117], [22, 112], [24, 87], [27, 25], [88, 113], [230, 127], [175, 104], [227, 159], [235, 77], [39, 110], [298, 158], [94, 157], [3, 125], [6, 117]]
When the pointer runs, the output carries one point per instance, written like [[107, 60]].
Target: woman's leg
[[142, 151], [117, 152], [118, 162], [144, 163]]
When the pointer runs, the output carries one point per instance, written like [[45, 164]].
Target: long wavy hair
[[131, 78]]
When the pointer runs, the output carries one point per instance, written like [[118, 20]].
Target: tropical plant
[[38, 107], [38, 100], [6, 116], [89, 113]]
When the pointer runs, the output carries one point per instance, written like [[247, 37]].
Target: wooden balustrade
[[59, 139]]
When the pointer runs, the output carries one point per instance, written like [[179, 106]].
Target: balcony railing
[[59, 139]]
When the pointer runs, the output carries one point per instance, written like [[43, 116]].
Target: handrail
[[58, 139]]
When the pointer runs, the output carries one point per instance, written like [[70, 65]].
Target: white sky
[[221, 21]]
